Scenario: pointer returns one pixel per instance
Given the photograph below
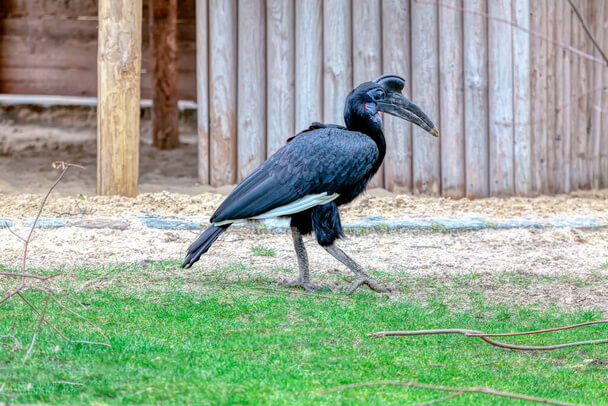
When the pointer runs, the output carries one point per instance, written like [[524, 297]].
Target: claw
[[297, 283], [373, 285]]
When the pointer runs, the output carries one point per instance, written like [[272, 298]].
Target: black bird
[[321, 168]]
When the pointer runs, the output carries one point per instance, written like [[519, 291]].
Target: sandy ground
[[568, 264]]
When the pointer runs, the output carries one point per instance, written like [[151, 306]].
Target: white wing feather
[[296, 206]]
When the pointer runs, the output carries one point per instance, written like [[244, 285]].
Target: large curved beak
[[396, 104]]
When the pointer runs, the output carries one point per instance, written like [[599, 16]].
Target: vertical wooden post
[[425, 93], [604, 131], [476, 99], [280, 72], [251, 79], [551, 83], [593, 147], [337, 58], [163, 38], [579, 153], [451, 82], [309, 63], [538, 96], [574, 99], [118, 92], [561, 160], [202, 89], [522, 131], [367, 52], [396, 59], [500, 74], [222, 91]]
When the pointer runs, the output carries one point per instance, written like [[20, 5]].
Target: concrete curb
[[376, 223]]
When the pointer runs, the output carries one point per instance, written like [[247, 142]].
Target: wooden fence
[[516, 86]]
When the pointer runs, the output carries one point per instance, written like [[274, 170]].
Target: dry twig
[[459, 391], [24, 286], [588, 31], [484, 336]]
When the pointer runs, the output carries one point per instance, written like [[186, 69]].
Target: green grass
[[238, 345], [261, 251]]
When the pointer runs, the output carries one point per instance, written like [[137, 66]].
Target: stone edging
[[378, 223]]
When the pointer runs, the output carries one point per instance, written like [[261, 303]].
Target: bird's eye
[[378, 95]]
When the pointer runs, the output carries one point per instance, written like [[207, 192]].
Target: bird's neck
[[374, 131]]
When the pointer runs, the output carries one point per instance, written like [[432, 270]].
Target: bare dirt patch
[[566, 266]]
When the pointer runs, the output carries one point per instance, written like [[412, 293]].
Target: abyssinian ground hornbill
[[318, 170]]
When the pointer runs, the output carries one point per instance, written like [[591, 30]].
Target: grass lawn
[[180, 342]]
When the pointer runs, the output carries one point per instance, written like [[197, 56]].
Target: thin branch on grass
[[443, 399], [588, 31], [485, 336], [460, 391], [67, 383], [297, 292], [29, 350], [64, 167]]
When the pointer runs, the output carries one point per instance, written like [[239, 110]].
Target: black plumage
[[318, 170]]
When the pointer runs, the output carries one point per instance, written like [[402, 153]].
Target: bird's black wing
[[323, 160], [315, 126]]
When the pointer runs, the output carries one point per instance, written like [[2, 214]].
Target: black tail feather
[[202, 244]]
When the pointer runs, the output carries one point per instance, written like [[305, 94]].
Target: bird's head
[[384, 94]]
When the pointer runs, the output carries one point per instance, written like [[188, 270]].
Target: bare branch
[[484, 337], [29, 350], [443, 399], [12, 232], [20, 275], [588, 31], [479, 389]]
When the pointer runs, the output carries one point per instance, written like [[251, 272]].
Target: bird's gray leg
[[362, 277], [303, 280]]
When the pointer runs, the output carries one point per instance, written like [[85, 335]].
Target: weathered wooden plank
[[337, 58], [500, 76], [573, 101], [522, 132], [367, 52], [476, 98], [396, 59], [561, 161], [118, 67], [595, 98], [451, 79], [163, 36], [604, 140], [579, 154], [251, 79], [425, 93], [280, 72], [553, 147], [202, 91], [222, 91], [308, 63], [538, 97]]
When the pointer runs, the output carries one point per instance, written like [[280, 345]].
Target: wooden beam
[[337, 58], [367, 53], [251, 79], [222, 91], [309, 63], [118, 84], [451, 82], [475, 36], [396, 59], [280, 72], [538, 97], [522, 132], [202, 89], [604, 131], [163, 37], [425, 93], [500, 74]]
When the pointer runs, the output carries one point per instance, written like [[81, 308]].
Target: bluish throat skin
[[318, 170]]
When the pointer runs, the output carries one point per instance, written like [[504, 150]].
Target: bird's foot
[[373, 285], [306, 285]]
